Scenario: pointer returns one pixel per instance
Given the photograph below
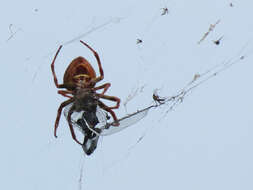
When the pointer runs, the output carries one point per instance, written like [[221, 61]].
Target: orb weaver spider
[[79, 81]]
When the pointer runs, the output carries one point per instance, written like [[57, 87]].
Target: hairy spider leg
[[109, 109], [71, 111], [101, 77], [62, 92], [105, 86], [65, 93], [52, 68], [63, 104]]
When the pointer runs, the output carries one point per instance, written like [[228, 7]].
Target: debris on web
[[210, 29], [134, 92], [13, 33]]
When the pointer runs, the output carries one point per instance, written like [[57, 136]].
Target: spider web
[[156, 49], [170, 102]]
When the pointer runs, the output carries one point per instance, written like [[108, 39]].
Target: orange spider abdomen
[[78, 66]]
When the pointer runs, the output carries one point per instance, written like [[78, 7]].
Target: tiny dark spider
[[217, 42], [139, 41], [158, 99], [165, 11], [79, 81]]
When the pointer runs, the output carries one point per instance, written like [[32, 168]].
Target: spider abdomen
[[77, 67]]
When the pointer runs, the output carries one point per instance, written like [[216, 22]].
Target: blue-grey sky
[[204, 143]]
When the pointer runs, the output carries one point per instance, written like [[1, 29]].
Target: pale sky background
[[204, 144]]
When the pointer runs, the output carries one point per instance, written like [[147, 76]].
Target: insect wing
[[103, 127], [124, 122], [95, 124]]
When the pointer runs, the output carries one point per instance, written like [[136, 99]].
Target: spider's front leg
[[101, 77], [53, 71], [59, 114], [52, 68]]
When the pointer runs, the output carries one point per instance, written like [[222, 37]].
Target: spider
[[165, 11], [79, 82], [138, 41], [217, 42]]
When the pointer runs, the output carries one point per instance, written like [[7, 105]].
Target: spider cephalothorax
[[79, 81]]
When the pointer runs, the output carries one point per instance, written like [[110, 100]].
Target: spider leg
[[65, 92], [63, 104], [71, 111], [101, 77], [105, 86], [53, 71], [109, 109], [111, 98]]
